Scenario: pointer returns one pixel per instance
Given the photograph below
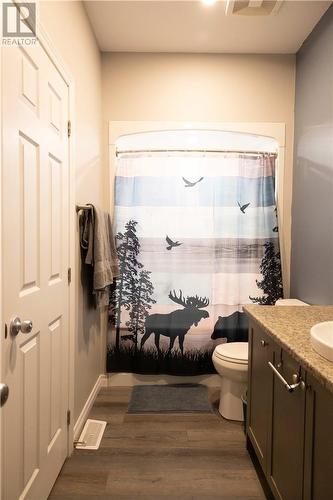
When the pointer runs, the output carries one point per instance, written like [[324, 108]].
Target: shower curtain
[[197, 238]]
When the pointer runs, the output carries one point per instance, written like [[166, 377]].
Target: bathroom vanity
[[290, 402]]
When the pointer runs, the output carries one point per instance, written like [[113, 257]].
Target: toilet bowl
[[230, 361]]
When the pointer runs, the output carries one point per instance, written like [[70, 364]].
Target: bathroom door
[[35, 257]]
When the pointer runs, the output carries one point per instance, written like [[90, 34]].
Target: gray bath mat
[[175, 398]]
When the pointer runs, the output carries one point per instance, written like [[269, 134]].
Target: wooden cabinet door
[[259, 391], [318, 456], [286, 432]]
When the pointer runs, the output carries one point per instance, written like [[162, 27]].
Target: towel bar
[[83, 207]]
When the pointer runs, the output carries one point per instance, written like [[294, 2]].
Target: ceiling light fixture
[[252, 7], [208, 2]]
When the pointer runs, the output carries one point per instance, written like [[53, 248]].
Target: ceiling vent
[[252, 7]]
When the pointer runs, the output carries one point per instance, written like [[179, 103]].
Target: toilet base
[[231, 406]]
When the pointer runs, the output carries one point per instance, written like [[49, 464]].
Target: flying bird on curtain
[[191, 184], [172, 244]]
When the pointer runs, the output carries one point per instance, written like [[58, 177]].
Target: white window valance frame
[[256, 135]]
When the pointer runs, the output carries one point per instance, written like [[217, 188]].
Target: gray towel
[[97, 241], [86, 224]]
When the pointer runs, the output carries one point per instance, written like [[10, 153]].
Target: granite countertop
[[290, 327]]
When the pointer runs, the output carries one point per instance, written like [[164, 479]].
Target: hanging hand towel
[[86, 225], [98, 243]]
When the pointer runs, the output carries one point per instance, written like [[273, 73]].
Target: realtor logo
[[18, 23]]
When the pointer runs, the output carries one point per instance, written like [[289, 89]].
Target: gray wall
[[312, 210]]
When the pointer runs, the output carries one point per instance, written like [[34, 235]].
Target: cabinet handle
[[290, 387], [263, 343]]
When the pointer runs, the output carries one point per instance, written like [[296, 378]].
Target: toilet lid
[[235, 352]]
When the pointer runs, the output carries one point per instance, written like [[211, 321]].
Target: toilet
[[231, 361]]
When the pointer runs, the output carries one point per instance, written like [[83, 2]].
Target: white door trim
[[1, 323], [58, 61], [53, 54], [269, 129]]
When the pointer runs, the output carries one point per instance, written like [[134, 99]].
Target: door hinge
[[68, 417], [69, 128], [69, 275]]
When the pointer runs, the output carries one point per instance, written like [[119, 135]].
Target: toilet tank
[[290, 302]]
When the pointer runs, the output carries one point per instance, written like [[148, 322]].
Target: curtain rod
[[136, 151]]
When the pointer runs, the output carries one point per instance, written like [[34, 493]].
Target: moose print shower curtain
[[197, 238]]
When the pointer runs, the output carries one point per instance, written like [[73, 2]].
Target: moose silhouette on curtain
[[177, 323]]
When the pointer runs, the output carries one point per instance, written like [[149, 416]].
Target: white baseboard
[[131, 379], [78, 426]]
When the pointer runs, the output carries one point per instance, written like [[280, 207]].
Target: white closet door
[[35, 194]]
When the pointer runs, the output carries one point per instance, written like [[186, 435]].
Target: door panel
[[286, 436], [318, 456], [55, 174], [29, 81], [35, 237], [54, 334], [260, 392], [29, 352], [29, 213]]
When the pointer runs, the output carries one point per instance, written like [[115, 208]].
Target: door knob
[[4, 393], [17, 326]]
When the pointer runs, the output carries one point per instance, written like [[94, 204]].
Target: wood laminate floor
[[153, 457]]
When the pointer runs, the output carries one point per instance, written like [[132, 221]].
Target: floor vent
[[91, 436]]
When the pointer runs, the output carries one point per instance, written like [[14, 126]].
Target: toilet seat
[[233, 352]]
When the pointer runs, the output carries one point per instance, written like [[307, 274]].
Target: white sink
[[322, 339]]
